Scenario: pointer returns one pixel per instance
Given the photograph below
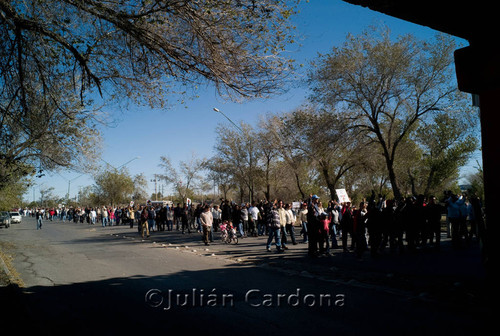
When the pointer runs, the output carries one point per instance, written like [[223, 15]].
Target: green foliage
[[386, 87], [447, 145], [147, 50], [476, 181], [140, 185], [11, 196], [113, 188], [57, 54]]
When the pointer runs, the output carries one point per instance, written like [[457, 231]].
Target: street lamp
[[117, 168], [69, 183], [232, 122], [126, 163], [250, 186]]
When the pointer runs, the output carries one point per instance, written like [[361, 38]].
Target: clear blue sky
[[190, 128]]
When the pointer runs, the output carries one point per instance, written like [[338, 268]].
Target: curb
[[5, 269], [13, 278]]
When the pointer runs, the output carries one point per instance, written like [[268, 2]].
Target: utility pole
[[155, 180]]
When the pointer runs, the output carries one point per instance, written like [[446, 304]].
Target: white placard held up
[[342, 195]]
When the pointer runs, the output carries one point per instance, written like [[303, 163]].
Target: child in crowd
[[324, 230]]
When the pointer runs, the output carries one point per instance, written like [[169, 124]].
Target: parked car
[[4, 218], [15, 217]]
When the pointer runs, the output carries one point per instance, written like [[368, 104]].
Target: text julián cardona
[[170, 299]]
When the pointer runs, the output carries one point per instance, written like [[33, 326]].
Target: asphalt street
[[91, 280]]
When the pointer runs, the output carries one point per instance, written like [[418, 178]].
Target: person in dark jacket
[[410, 223], [313, 223], [226, 211], [144, 222], [375, 228], [185, 218], [151, 218], [272, 219], [433, 213], [347, 225], [178, 216], [360, 219], [236, 216]]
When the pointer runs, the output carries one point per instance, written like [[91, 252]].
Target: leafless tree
[[184, 178]]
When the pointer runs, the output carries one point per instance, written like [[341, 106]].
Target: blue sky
[[189, 128]]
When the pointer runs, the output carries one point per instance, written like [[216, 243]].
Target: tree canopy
[[386, 87], [146, 48], [385, 114], [113, 187], [58, 58]]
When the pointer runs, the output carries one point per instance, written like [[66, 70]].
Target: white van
[[15, 217]]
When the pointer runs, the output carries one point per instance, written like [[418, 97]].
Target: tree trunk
[[389, 161], [242, 193], [297, 180], [267, 193], [412, 181], [429, 182], [329, 183], [392, 178]]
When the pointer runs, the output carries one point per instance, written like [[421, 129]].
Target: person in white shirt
[[244, 220], [104, 214], [217, 215], [289, 220], [336, 212], [302, 220], [170, 218], [253, 217], [93, 216], [206, 221]]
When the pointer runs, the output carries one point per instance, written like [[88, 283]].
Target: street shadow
[[141, 304], [450, 275], [423, 270], [147, 304]]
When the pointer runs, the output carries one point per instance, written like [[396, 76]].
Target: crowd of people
[[375, 225], [105, 216], [404, 225]]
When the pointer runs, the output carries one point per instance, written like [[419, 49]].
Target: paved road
[[81, 279]]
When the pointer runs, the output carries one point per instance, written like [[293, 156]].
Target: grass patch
[[8, 274]]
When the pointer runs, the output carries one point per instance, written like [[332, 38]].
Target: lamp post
[[250, 154], [107, 163], [232, 122], [69, 183], [123, 165], [116, 169]]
